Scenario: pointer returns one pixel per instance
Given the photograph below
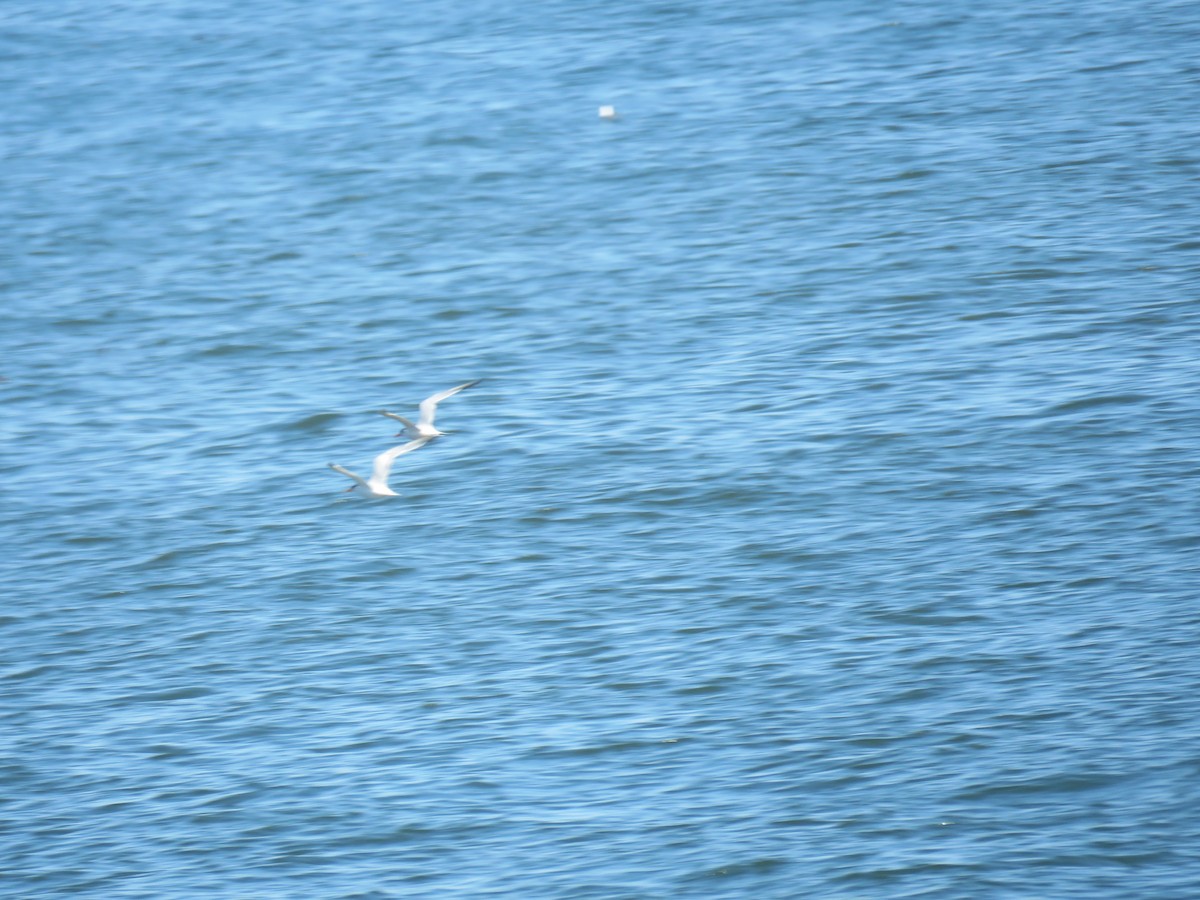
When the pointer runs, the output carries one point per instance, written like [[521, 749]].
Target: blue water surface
[[825, 524]]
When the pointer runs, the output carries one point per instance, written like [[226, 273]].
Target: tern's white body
[[376, 487], [422, 429]]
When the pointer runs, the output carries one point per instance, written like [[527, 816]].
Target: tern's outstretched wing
[[429, 404], [382, 466], [392, 415], [347, 473]]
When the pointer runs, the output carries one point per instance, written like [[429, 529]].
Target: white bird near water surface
[[376, 487], [423, 428]]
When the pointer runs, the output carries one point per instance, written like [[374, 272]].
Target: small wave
[[1092, 402], [313, 423], [221, 350], [168, 751], [190, 692]]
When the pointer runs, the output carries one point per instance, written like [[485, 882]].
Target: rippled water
[[825, 523]]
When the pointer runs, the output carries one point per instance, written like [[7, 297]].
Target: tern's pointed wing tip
[[435, 399]]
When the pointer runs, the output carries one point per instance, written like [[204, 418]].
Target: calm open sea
[[826, 523]]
